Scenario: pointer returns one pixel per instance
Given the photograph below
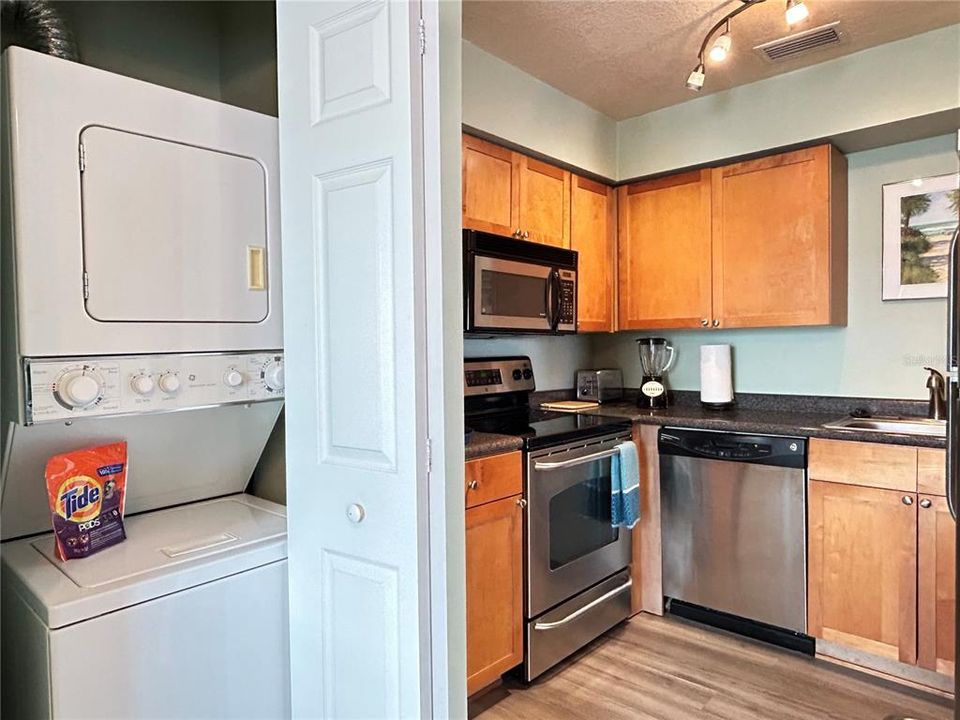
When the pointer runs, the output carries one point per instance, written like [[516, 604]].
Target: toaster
[[600, 385]]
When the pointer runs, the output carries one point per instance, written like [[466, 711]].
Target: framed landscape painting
[[919, 219]]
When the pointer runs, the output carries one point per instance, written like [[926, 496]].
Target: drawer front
[[493, 478], [932, 471], [889, 467]]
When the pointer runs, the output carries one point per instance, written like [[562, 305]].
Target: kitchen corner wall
[[500, 99], [881, 352]]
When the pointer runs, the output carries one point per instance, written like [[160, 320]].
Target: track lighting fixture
[[796, 12], [721, 46], [696, 78]]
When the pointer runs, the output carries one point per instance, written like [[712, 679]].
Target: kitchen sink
[[899, 425]]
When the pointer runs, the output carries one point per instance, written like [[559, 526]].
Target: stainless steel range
[[576, 564]]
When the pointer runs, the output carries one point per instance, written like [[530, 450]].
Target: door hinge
[[429, 456], [83, 158], [86, 286], [423, 37]]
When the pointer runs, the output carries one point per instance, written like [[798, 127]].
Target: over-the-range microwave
[[512, 286]]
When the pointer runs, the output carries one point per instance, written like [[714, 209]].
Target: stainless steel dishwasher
[[733, 514]]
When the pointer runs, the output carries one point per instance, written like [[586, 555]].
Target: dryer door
[[171, 232]]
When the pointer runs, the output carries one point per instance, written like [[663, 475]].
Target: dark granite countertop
[[761, 421], [481, 444], [803, 416]]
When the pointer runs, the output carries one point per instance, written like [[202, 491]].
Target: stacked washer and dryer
[[141, 302]]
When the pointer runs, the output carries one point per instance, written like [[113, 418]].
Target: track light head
[[696, 78], [796, 12], [721, 47]]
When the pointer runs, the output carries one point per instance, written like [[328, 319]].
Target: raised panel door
[[593, 236], [862, 572], [937, 596], [779, 240], [664, 252], [494, 590], [490, 187], [544, 211]]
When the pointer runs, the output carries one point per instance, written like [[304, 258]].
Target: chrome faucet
[[937, 409]]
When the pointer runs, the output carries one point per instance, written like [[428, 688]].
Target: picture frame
[[919, 219]]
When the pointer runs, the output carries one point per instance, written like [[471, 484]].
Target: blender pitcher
[[656, 357]]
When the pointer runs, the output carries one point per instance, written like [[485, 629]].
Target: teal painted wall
[[881, 352]]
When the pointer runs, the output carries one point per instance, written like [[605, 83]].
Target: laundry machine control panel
[[130, 384]]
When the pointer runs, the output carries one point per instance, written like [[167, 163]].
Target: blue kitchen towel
[[625, 486]]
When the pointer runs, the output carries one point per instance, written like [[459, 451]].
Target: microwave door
[[512, 296]]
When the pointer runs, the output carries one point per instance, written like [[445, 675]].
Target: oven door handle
[[586, 608], [575, 461]]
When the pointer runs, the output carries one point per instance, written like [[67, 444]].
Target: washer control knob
[[273, 375], [142, 384], [232, 378], [79, 388], [169, 383]]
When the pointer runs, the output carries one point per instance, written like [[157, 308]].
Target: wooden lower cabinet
[[494, 549], [862, 569], [936, 596]]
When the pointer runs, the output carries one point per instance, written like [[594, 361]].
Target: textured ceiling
[[628, 57]]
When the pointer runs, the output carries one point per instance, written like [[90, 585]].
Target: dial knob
[[142, 384], [169, 383], [233, 378], [79, 388], [273, 375]]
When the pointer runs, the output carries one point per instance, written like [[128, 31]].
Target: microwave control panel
[[568, 301], [64, 389]]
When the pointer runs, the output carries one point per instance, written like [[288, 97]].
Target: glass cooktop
[[541, 428]]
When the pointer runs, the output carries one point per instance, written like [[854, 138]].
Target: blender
[[656, 357]]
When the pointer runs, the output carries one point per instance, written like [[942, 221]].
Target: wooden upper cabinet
[[937, 597], [593, 235], [544, 212], [862, 572], [780, 240], [490, 187], [664, 258], [494, 568]]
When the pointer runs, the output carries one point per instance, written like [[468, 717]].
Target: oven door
[[513, 296], [570, 543]]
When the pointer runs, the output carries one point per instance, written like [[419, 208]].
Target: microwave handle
[[556, 288], [548, 297]]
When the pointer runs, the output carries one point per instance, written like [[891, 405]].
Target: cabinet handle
[[526, 234], [925, 503], [521, 503], [704, 322], [473, 485], [716, 323], [517, 233], [907, 500]]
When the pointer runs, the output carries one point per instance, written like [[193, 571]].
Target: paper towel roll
[[716, 375]]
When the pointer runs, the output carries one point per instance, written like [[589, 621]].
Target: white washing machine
[[140, 263]]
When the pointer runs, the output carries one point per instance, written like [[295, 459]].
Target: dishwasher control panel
[[777, 450]]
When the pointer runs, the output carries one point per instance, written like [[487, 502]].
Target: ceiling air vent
[[801, 42]]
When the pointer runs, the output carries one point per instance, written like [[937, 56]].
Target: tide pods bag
[[86, 489]]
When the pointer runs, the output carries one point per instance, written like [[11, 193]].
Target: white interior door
[[351, 196]]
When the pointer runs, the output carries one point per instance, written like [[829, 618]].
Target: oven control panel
[[497, 375], [128, 384]]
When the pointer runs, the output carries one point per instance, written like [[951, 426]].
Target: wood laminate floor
[[668, 669]]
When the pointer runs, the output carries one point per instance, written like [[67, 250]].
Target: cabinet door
[[593, 235], [664, 262], [779, 240], [862, 574], [937, 585], [490, 187], [494, 591], [544, 202]]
